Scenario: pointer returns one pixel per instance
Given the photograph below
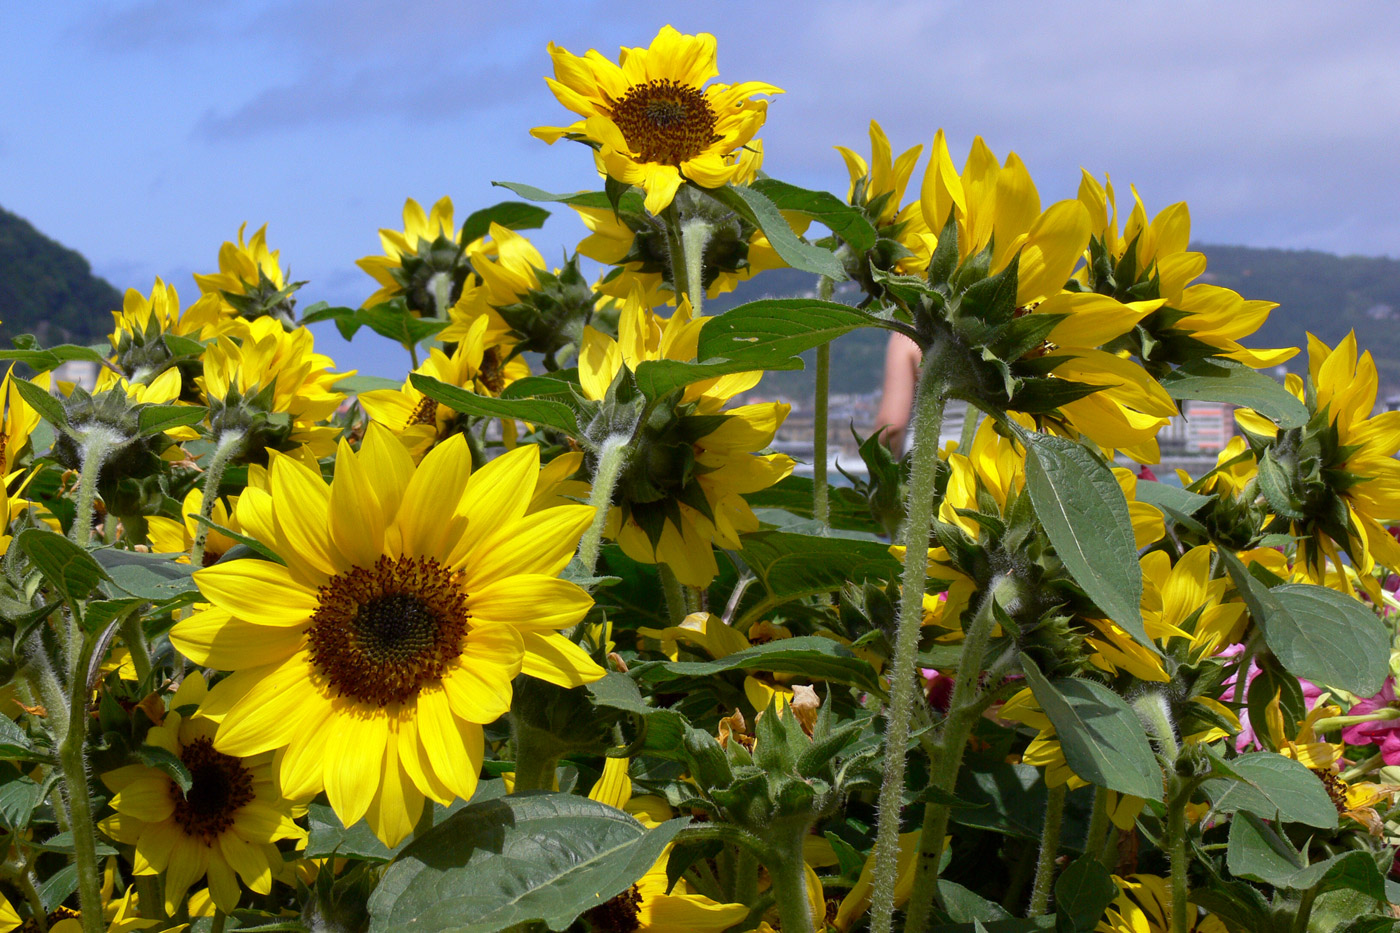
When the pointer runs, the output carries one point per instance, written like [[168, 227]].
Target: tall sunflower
[[1143, 905], [996, 209], [425, 263], [250, 280], [653, 120], [409, 600], [878, 187], [225, 827], [660, 516], [1347, 482], [1151, 259]]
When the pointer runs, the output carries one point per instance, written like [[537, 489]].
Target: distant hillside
[[1318, 292], [49, 290]]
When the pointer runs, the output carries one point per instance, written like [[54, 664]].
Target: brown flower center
[[493, 370], [220, 785], [381, 633], [619, 915], [425, 413], [665, 122]]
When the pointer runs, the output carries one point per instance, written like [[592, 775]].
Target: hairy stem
[[786, 868], [971, 419], [928, 422], [75, 779], [229, 445], [134, 636], [695, 236], [1176, 846], [612, 459], [675, 596], [964, 709], [1049, 848], [821, 503], [1099, 824], [97, 446]]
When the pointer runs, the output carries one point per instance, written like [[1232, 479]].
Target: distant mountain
[[49, 290], [1317, 292]]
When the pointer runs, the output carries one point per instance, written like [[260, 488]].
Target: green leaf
[[618, 691], [71, 570], [153, 756], [354, 385], [776, 329], [44, 360], [847, 222], [750, 204], [1172, 497], [1218, 380], [549, 413], [19, 797], [48, 407], [510, 214], [538, 857], [808, 655], [1317, 633], [398, 323], [154, 419], [1258, 852], [659, 378], [1082, 893], [630, 200], [156, 577], [793, 494], [560, 383], [790, 566], [252, 544], [1278, 788], [327, 837], [1102, 739], [14, 743], [1082, 509]]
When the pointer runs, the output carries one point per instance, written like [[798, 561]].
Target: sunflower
[[1350, 481], [420, 421], [9, 918], [425, 263], [878, 187], [706, 506], [653, 121], [19, 419], [1143, 905], [141, 326], [636, 247], [1153, 257], [995, 207], [250, 280], [270, 371], [410, 599], [225, 826]]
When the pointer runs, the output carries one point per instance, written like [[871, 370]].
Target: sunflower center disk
[[665, 122], [619, 915], [380, 634], [220, 785]]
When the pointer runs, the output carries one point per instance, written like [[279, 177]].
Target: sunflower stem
[[537, 757], [75, 779], [821, 502], [786, 868], [220, 919], [229, 445], [612, 460], [135, 638], [442, 298], [928, 421], [971, 418], [695, 236], [964, 709], [1049, 848], [1362, 768], [675, 596], [98, 444], [1099, 824], [1176, 846]]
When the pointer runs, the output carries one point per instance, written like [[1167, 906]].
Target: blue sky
[[143, 133]]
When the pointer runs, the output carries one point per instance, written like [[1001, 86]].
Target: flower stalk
[[1049, 848], [930, 400], [229, 445], [75, 779], [821, 502], [612, 460], [99, 443]]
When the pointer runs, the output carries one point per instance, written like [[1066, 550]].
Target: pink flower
[[938, 687], [1382, 732], [1145, 472], [1246, 739]]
